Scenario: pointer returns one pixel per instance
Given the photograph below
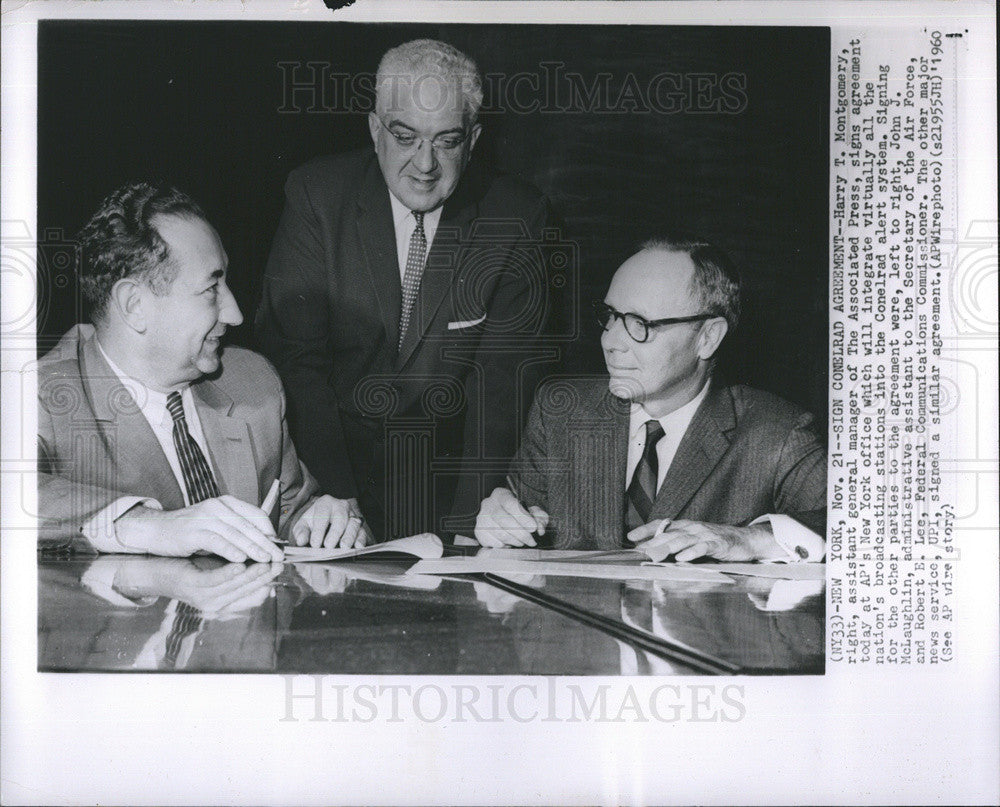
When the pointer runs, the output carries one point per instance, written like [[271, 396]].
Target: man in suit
[[660, 450], [149, 440], [401, 287]]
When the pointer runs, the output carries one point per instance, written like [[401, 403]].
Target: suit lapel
[[441, 268], [621, 420], [139, 461], [228, 440], [700, 450], [378, 241]]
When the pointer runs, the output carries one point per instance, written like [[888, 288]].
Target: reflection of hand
[[504, 521], [331, 523], [688, 540], [229, 588], [323, 579], [224, 526], [498, 601]]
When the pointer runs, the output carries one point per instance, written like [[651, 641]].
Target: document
[[580, 564], [425, 545]]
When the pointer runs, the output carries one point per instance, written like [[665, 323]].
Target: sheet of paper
[[425, 545], [616, 571], [778, 571]]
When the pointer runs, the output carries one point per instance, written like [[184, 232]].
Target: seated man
[[660, 449], [148, 441]]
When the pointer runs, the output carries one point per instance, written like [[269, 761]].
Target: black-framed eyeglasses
[[636, 326], [445, 145]]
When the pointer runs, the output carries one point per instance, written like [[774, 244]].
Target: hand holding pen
[[504, 521]]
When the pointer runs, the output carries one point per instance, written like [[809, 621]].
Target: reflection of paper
[[775, 571], [425, 545], [509, 565]]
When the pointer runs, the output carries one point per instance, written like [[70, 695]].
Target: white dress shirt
[[674, 425], [99, 530], [798, 542], [404, 224]]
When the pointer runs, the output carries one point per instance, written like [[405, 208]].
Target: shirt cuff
[[99, 579], [100, 528], [799, 543]]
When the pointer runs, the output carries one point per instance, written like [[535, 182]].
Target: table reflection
[[205, 615]]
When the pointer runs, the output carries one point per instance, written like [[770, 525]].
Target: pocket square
[[465, 323]]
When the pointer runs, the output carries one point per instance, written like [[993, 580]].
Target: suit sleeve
[[527, 470], [800, 486], [293, 332], [64, 505], [507, 380], [298, 487]]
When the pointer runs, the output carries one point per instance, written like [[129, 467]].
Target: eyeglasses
[[444, 145], [638, 327]]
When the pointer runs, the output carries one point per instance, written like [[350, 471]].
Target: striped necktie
[[642, 491], [414, 271], [187, 620], [198, 478], [201, 485]]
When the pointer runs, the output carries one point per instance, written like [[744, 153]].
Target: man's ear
[[128, 303], [713, 331], [374, 124]]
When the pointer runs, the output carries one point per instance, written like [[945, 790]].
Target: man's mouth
[[423, 183]]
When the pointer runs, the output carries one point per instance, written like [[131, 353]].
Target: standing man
[[398, 283], [149, 439], [660, 450]]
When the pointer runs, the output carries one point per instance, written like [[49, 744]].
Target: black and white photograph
[[419, 384]]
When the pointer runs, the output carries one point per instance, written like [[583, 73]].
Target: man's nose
[[615, 337], [425, 159], [229, 311]]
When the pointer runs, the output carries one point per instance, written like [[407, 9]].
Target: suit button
[[371, 479]]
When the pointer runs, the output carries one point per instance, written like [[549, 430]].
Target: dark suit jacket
[[95, 445], [367, 419], [746, 453]]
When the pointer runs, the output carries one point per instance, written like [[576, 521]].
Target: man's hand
[[224, 526], [221, 590], [504, 521], [330, 522], [688, 540]]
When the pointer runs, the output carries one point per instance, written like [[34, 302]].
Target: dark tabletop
[[126, 613]]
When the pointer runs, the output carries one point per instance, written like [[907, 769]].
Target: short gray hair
[[716, 278], [429, 57]]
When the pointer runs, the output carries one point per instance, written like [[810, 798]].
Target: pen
[[272, 497], [270, 500], [662, 528]]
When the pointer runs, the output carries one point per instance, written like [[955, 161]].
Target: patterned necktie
[[198, 478], [414, 271], [642, 491], [187, 620]]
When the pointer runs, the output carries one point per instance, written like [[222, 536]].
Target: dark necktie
[[198, 478], [201, 485], [187, 620], [642, 490], [414, 271]]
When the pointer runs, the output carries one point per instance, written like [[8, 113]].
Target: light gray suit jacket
[[95, 445], [746, 453]]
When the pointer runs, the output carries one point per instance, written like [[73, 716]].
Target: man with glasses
[[394, 274], [661, 451]]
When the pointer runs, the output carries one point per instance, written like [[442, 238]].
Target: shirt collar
[[673, 422], [401, 211], [153, 403]]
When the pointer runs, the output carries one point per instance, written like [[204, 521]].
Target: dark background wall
[[733, 146]]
